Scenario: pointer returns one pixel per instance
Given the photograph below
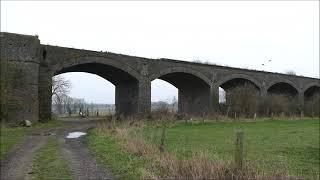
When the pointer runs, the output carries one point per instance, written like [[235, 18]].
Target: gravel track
[[18, 162]]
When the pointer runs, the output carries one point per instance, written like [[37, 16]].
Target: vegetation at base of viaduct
[[245, 101]]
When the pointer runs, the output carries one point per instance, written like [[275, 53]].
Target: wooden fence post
[[238, 158], [163, 137]]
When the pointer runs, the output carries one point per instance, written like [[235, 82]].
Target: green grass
[[109, 153], [9, 136], [48, 163], [269, 145]]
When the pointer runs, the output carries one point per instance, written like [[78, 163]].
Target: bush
[[162, 112], [243, 100], [312, 106], [282, 105]]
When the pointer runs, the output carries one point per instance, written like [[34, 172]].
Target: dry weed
[[163, 165]]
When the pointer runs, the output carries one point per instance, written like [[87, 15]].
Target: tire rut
[[17, 163], [82, 164]]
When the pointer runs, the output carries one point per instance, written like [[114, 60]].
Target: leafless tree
[[67, 104], [60, 89], [174, 104], [291, 72], [60, 85]]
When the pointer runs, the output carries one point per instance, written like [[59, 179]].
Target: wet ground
[[17, 164]]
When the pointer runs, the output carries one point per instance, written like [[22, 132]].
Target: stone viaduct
[[27, 68]]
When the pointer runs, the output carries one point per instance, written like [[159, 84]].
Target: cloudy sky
[[238, 34]]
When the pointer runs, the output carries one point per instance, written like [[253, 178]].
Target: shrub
[[243, 100], [312, 105], [282, 105]]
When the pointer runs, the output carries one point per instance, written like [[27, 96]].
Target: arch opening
[[283, 88], [312, 101], [163, 95], [126, 87], [238, 97], [82, 94], [238, 82], [192, 91], [114, 75], [283, 99]]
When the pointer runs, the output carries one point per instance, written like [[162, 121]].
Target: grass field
[[9, 136], [113, 156], [269, 145], [48, 163], [289, 147]]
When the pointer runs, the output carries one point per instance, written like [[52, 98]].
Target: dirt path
[[75, 152], [17, 163], [81, 163]]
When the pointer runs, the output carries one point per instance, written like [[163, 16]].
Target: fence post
[[301, 114], [163, 137], [238, 158]]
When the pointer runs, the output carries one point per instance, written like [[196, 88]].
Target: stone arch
[[239, 76], [125, 78], [181, 70], [310, 85], [311, 99], [286, 81], [194, 88], [310, 90], [67, 63], [226, 86], [285, 88]]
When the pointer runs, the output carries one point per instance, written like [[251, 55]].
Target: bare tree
[[78, 105], [60, 85], [291, 72], [197, 61], [60, 89], [67, 104], [174, 104]]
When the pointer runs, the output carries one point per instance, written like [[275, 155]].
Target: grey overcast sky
[[234, 33]]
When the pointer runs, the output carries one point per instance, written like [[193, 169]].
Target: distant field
[[269, 145]]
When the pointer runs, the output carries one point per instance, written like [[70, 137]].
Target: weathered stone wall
[[126, 100], [27, 68], [20, 57], [3, 74]]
